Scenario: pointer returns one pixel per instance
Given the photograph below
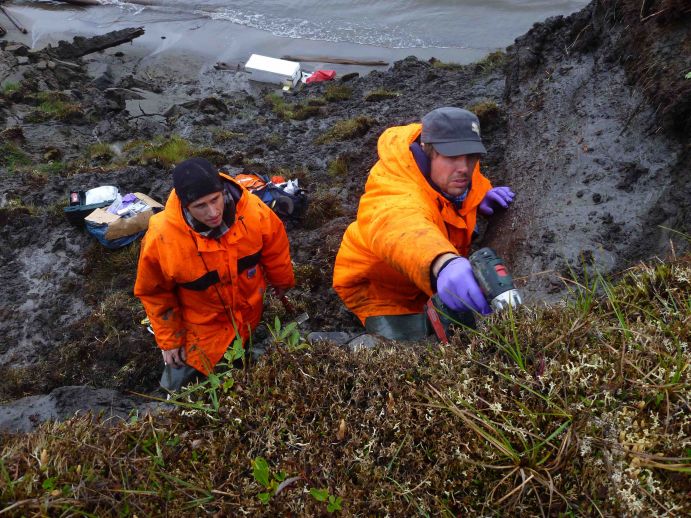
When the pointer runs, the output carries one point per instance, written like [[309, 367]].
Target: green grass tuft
[[10, 87], [101, 151], [487, 111], [441, 65], [381, 94], [338, 92], [288, 111], [12, 156], [221, 136], [55, 106], [493, 61], [338, 168], [347, 129]]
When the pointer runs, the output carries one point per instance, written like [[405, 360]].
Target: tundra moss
[[381, 94], [167, 152], [338, 168], [338, 92], [347, 129], [10, 87], [57, 106], [287, 110], [593, 423], [100, 151], [324, 206], [493, 61], [51, 168], [441, 65], [12, 156], [487, 111], [221, 136]]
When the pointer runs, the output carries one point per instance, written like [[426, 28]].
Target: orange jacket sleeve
[[404, 234], [157, 293]]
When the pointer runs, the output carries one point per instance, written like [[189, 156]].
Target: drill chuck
[[494, 279]]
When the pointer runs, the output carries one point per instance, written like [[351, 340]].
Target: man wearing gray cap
[[415, 224]]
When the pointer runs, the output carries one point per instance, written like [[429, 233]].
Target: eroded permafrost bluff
[[582, 408]]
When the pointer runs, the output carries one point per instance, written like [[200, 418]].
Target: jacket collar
[[395, 154]]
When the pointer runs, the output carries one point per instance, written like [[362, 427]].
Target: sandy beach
[[196, 43]]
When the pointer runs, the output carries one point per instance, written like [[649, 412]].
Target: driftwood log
[[338, 61], [19, 27], [81, 46]]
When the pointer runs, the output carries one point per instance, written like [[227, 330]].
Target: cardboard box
[[120, 227], [271, 70]]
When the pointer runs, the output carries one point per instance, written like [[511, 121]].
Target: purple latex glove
[[495, 198], [458, 289]]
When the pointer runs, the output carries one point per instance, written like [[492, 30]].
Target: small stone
[[18, 49], [337, 337], [41, 65], [22, 60], [51, 65]]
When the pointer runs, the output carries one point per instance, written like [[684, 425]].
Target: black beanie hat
[[195, 178]]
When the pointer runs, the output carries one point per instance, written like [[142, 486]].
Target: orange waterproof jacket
[[184, 279], [402, 225]]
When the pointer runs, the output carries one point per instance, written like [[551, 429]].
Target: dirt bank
[[597, 152]]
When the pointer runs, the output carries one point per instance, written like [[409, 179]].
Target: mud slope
[[588, 120], [597, 141]]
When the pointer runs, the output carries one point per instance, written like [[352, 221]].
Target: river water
[[230, 30]]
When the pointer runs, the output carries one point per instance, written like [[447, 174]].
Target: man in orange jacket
[[415, 224], [203, 268]]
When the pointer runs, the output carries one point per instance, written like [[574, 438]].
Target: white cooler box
[[271, 70]]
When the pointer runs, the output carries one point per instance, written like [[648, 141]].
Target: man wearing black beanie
[[204, 266]]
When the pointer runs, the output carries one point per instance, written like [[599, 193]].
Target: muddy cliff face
[[597, 142], [586, 117]]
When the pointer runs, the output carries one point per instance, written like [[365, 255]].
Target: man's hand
[[497, 197], [458, 289], [175, 357]]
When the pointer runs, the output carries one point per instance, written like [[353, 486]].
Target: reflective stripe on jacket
[[402, 225], [184, 279]]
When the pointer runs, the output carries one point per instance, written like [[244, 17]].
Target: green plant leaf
[[334, 504], [49, 484], [264, 497], [688, 75], [260, 470], [320, 495]]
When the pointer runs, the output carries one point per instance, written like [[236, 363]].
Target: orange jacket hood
[[402, 225], [199, 292]]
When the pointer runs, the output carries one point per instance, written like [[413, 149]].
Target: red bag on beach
[[321, 75]]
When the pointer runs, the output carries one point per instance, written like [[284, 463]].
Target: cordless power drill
[[496, 284], [494, 279]]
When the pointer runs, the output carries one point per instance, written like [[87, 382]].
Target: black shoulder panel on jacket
[[248, 261], [205, 281]]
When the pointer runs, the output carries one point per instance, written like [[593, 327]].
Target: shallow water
[[230, 30]]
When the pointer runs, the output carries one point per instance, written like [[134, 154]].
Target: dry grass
[[580, 410]]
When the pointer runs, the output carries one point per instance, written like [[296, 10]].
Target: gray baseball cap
[[452, 131]]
